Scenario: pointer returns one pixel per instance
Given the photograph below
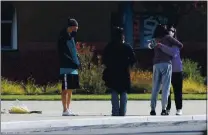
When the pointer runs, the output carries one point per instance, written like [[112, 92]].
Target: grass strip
[[96, 97]]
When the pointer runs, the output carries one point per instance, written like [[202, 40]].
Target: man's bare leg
[[64, 96], [69, 95]]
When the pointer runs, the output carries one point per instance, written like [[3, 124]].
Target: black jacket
[[118, 60], [65, 57]]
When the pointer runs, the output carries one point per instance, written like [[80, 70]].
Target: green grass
[[97, 97]]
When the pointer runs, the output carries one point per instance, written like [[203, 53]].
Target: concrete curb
[[45, 124]]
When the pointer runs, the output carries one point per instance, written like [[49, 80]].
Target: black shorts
[[69, 81]]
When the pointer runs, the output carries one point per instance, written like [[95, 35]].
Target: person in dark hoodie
[[118, 57], [177, 72], [162, 68], [69, 64]]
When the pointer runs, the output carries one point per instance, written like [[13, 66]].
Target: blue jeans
[[162, 73], [118, 109]]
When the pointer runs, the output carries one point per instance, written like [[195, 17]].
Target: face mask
[[171, 33], [73, 33]]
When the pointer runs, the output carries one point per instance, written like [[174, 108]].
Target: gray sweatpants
[[162, 73]]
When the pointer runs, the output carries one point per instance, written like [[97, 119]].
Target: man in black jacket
[[69, 64]]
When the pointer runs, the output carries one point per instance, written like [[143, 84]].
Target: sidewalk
[[53, 109], [94, 113]]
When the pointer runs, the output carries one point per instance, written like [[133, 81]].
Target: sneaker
[[68, 113], [168, 112], [164, 112], [179, 112], [71, 113], [152, 112]]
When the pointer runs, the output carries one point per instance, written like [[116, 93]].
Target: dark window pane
[[7, 11], [6, 29]]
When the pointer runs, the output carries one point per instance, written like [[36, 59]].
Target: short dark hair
[[160, 31]]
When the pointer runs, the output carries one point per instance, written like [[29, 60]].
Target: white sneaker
[[68, 113], [71, 113], [179, 112]]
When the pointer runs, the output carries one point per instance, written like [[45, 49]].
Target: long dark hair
[[160, 31]]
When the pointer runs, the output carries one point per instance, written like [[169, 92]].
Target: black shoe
[[153, 112], [164, 112]]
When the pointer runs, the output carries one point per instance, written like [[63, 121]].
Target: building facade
[[30, 30]]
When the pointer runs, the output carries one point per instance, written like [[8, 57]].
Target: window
[[8, 26]]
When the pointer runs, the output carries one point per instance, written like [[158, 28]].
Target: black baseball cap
[[72, 22]]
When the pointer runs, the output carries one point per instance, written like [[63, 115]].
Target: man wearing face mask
[[69, 64]]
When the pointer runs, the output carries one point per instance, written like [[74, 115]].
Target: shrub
[[9, 87], [53, 88], [192, 71], [31, 88], [90, 75], [139, 75], [141, 88], [191, 86], [91, 82], [142, 80]]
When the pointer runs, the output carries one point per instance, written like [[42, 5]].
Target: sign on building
[[144, 27]]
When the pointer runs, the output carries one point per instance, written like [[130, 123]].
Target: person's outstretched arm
[[175, 42], [172, 51]]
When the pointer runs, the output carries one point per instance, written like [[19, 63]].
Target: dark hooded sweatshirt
[[67, 54]]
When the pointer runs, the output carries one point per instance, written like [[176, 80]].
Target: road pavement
[[182, 128]]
